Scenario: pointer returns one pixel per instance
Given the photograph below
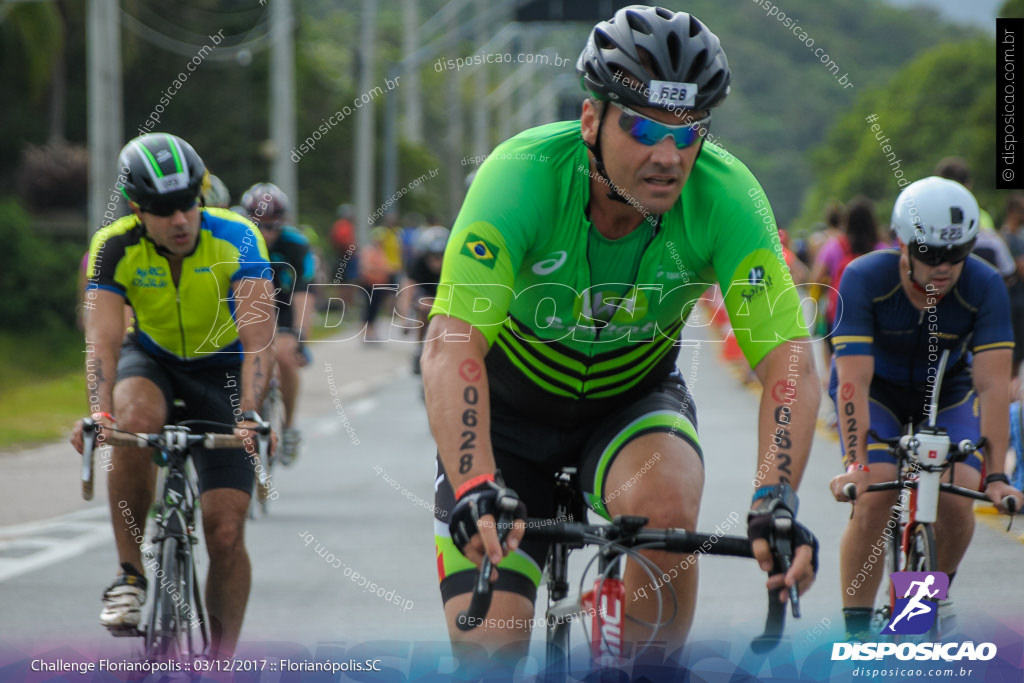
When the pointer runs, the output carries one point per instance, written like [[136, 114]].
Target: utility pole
[[106, 118], [453, 96], [480, 142], [283, 171], [364, 126], [411, 75]]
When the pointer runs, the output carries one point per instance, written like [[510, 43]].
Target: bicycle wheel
[[887, 595], [921, 558], [162, 637], [177, 625], [273, 412]]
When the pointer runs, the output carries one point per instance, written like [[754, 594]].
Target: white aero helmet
[[937, 219]]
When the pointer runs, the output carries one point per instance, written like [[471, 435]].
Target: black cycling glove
[[776, 520], [489, 498]]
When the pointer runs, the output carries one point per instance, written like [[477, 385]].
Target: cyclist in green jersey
[[579, 252]]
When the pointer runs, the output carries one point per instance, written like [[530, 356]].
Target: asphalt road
[[358, 504]]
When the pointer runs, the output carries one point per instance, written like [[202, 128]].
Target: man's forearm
[[995, 426], [853, 421], [788, 414], [100, 375], [257, 367], [458, 402]]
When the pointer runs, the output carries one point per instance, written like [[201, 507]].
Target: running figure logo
[[917, 599]]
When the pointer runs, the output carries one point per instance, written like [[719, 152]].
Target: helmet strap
[[595, 149], [914, 283]]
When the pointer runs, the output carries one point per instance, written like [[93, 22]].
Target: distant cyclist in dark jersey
[[579, 252], [197, 280], [292, 259], [899, 310], [424, 273]]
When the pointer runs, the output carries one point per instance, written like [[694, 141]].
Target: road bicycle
[[272, 411], [923, 458], [177, 627], [605, 606]]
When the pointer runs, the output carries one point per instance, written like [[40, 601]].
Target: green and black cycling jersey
[[193, 321], [572, 317]]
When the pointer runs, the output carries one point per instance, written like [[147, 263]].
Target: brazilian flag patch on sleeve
[[481, 250]]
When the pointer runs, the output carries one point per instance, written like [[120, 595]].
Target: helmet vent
[[638, 22], [664, 13], [675, 52], [695, 26], [697, 65], [603, 41]]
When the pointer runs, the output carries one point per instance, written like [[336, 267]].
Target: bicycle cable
[[644, 563]]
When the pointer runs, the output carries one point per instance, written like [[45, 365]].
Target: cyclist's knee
[[872, 515], [224, 538], [139, 406]]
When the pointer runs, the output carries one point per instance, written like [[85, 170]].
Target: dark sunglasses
[[650, 132], [933, 256], [167, 206]]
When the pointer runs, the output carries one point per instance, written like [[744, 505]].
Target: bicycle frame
[[623, 537], [175, 624], [175, 528]]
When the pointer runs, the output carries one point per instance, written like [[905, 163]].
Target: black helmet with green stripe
[[161, 171]]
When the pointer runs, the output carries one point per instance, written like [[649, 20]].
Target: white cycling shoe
[[122, 602], [290, 440]]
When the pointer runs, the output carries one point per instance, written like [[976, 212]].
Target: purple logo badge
[[917, 601]]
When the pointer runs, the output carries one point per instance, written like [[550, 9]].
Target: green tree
[[941, 104]]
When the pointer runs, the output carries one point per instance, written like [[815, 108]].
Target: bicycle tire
[[921, 557], [162, 636], [273, 412], [177, 629], [887, 595]]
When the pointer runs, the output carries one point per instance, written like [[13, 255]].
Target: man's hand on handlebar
[[248, 428], [783, 547], [483, 517], [999, 492], [103, 420], [859, 478]]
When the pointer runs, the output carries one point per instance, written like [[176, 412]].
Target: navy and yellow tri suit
[[875, 318], [185, 336]]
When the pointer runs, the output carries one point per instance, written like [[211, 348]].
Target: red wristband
[[472, 483], [857, 467], [97, 415]]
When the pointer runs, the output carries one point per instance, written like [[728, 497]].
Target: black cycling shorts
[[210, 393], [529, 454]]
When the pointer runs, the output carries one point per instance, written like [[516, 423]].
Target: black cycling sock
[[858, 619], [129, 568]]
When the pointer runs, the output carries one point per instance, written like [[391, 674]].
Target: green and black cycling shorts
[[209, 393], [529, 454]]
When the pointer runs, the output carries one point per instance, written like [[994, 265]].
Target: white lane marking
[[40, 544]]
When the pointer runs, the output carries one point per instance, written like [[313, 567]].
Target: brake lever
[[90, 429], [783, 551]]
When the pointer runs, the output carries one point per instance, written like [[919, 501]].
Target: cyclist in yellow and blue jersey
[[198, 281]]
